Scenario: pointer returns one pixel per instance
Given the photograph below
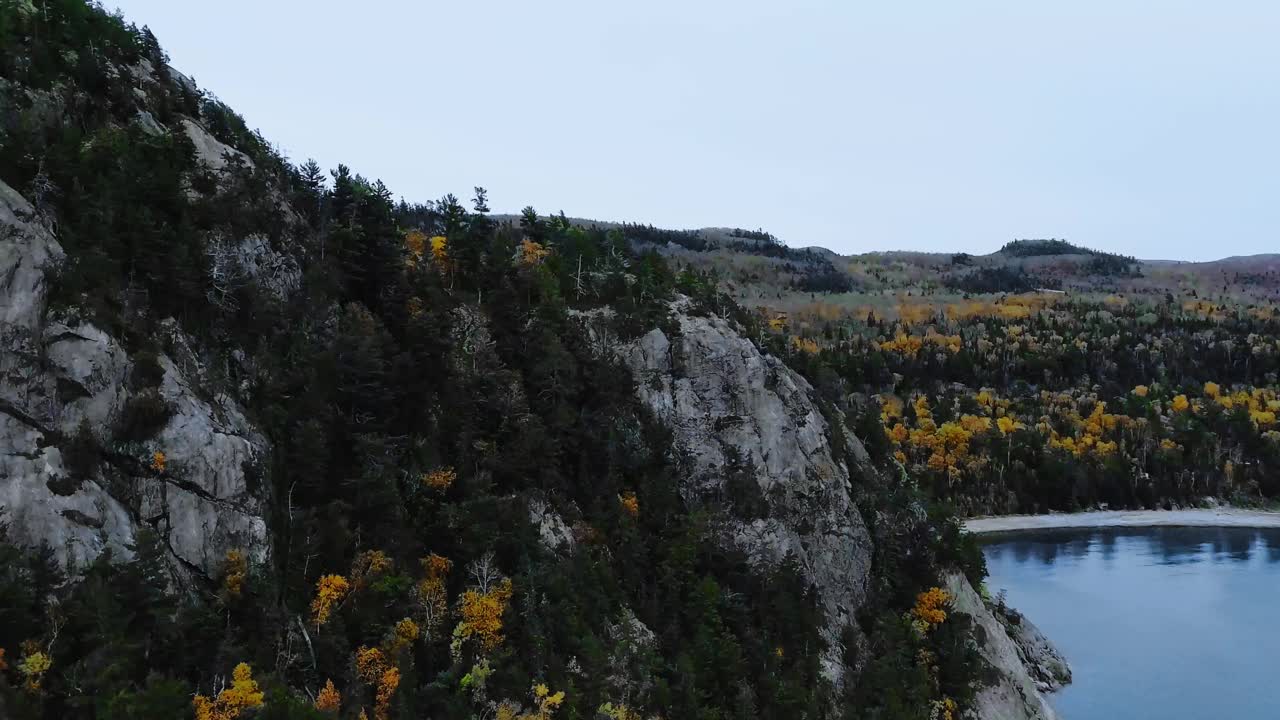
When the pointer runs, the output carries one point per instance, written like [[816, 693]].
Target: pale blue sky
[[1149, 128]]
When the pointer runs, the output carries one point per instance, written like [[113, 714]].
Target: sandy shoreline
[[1126, 518]]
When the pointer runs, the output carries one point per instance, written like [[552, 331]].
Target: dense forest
[[422, 381], [1032, 403]]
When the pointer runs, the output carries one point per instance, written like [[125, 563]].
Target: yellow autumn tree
[[945, 709], [33, 666], [482, 615], [235, 569], [330, 592], [929, 609], [949, 447], [230, 703], [328, 700], [440, 251], [805, 345], [159, 461], [404, 634], [903, 344], [1008, 425], [545, 703], [432, 595]]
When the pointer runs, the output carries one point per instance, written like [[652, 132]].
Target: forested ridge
[[423, 379], [1037, 403]]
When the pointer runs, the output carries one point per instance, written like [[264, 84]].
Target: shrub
[[80, 453], [143, 416]]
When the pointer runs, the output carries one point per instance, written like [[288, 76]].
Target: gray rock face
[[1043, 661], [275, 271], [57, 373], [1015, 694], [725, 400], [205, 505], [90, 369], [39, 503], [553, 532], [209, 150], [27, 249], [80, 525]]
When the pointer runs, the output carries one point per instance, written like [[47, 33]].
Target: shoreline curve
[[1224, 517]]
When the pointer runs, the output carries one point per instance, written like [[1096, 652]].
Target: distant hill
[[759, 269]]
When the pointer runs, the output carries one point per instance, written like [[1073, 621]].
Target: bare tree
[[226, 274], [484, 572]]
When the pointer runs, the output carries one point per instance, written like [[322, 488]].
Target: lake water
[[1168, 623]]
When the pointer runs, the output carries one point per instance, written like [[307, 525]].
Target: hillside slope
[[1043, 377], [272, 445]]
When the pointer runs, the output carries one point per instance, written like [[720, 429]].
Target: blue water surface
[[1168, 623]]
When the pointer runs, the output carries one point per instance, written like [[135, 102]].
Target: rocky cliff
[[61, 377], [734, 411], [1025, 664], [728, 403]]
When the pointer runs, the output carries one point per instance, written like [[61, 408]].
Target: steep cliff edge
[[735, 410], [732, 407], [61, 377], [1025, 665]]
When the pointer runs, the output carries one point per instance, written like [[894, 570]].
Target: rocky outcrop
[[1014, 693], [1039, 656], [728, 404], [61, 374], [210, 151], [39, 501], [553, 532], [27, 250]]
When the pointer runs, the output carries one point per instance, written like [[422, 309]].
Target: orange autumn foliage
[[630, 503], [415, 244], [929, 608], [440, 479], [387, 684], [532, 253], [329, 700], [374, 669]]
